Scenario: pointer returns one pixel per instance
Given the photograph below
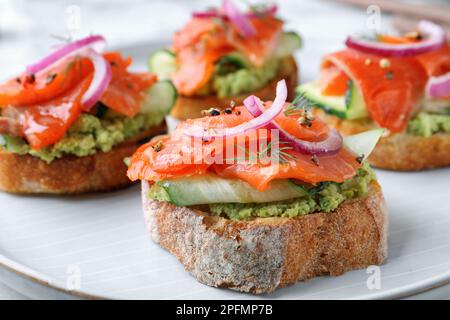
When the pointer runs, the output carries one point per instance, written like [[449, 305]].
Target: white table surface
[[25, 34]]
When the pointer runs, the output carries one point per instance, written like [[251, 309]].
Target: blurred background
[[29, 28]]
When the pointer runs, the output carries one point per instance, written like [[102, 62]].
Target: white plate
[[102, 238], [47, 243]]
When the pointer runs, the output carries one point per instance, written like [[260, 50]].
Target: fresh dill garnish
[[252, 157], [300, 104]]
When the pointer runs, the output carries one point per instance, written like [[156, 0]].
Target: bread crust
[[102, 171], [191, 107], [264, 254], [399, 151]]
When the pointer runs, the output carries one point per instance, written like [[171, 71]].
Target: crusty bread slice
[[191, 107], [399, 151], [263, 254], [103, 171]]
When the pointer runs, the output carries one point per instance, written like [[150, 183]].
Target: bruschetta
[[262, 196], [68, 121], [399, 83], [222, 55]]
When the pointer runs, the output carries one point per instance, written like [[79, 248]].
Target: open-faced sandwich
[[398, 83], [69, 120], [223, 54], [262, 196]]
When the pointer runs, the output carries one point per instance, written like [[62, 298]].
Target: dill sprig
[[253, 157], [300, 104]]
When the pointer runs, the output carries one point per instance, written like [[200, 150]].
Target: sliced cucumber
[[13, 144], [160, 98], [289, 42], [210, 188], [356, 107], [163, 63], [330, 104], [351, 106], [362, 144]]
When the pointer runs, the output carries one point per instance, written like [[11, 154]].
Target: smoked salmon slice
[[44, 86], [127, 90], [170, 160], [333, 81], [48, 103], [45, 124], [261, 46], [436, 63], [390, 89], [337, 168], [203, 41]]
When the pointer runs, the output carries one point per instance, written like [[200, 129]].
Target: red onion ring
[[260, 121], [215, 13], [331, 145], [100, 81], [242, 23], [438, 87], [64, 51], [436, 38]]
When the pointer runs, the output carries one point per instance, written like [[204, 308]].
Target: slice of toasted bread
[[263, 254], [191, 107], [102, 171], [399, 151]]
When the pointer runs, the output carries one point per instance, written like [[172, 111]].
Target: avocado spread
[[426, 124], [230, 82], [88, 135], [324, 197]]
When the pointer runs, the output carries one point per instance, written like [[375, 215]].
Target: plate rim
[[38, 277]]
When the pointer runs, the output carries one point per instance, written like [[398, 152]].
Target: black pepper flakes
[[307, 119], [360, 159], [113, 64], [30, 78], [315, 160], [228, 111], [210, 112], [214, 112], [390, 75], [158, 147], [18, 80], [50, 78]]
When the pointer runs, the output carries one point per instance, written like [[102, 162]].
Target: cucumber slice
[[330, 104], [210, 188], [289, 42], [362, 144], [351, 106], [163, 63], [160, 97], [356, 107], [13, 144]]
